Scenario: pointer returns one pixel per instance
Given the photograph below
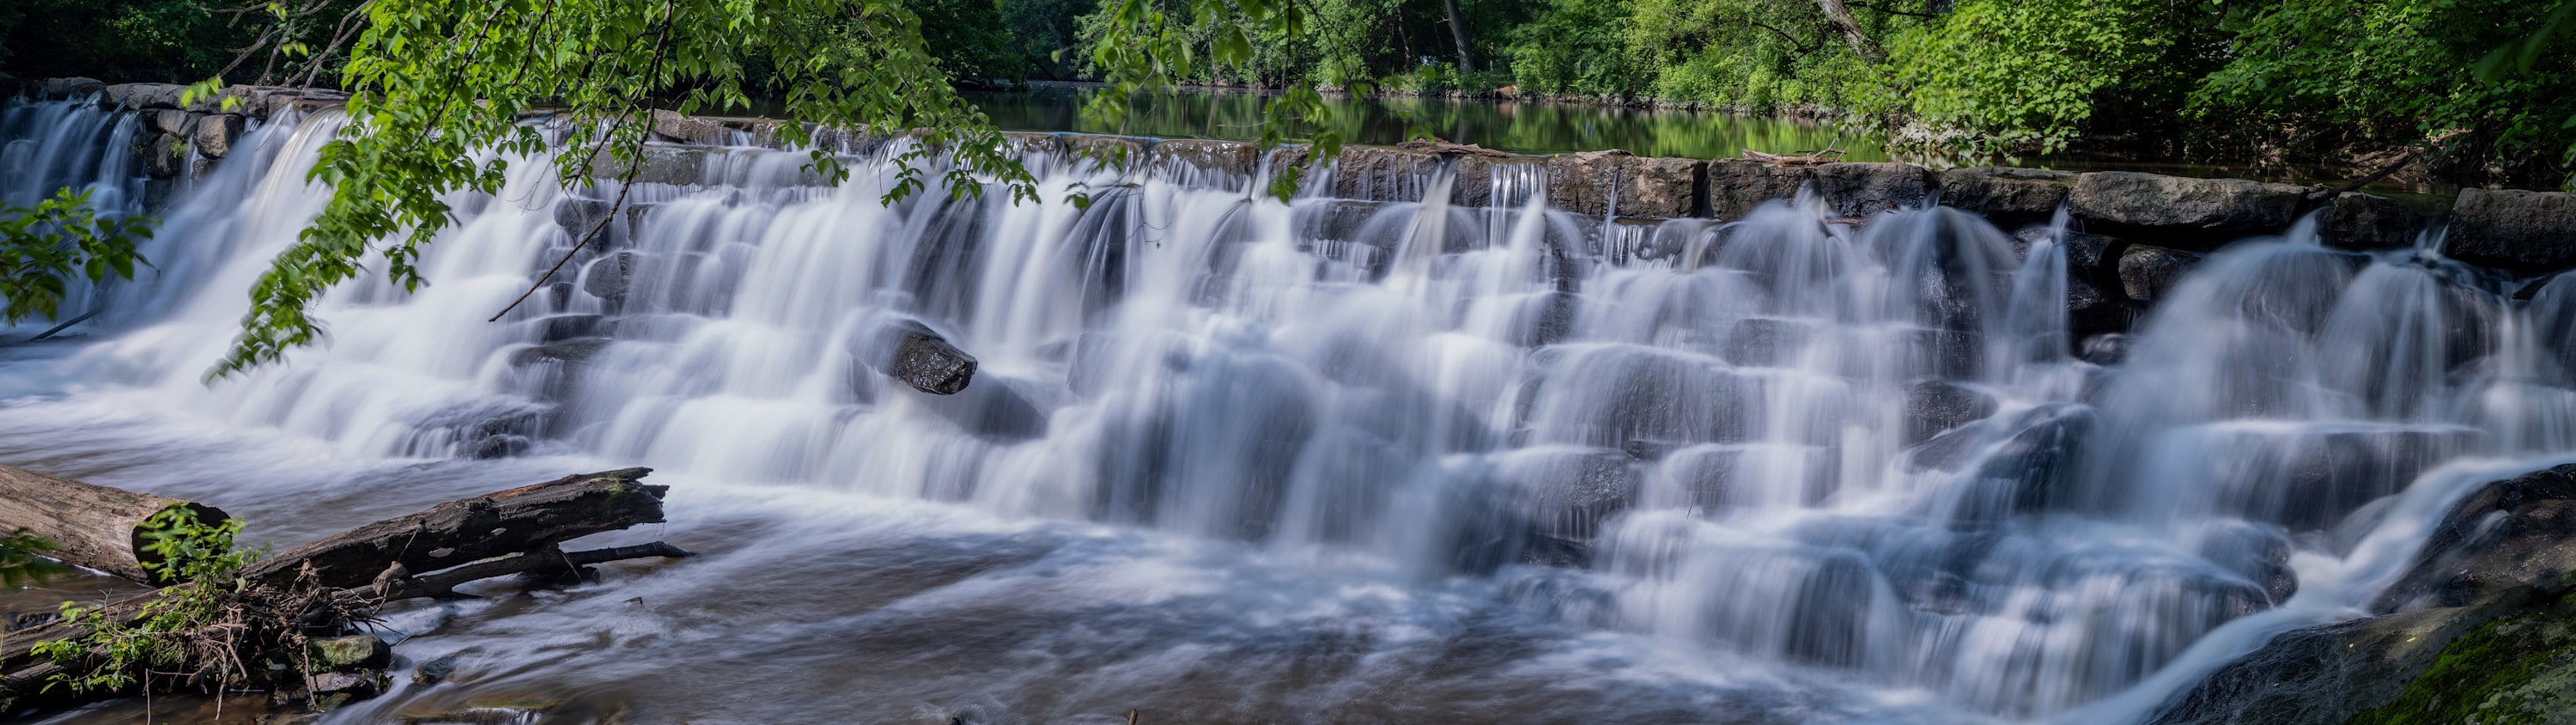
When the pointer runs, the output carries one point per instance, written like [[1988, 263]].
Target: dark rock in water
[[2089, 312], [2520, 231], [2512, 534], [608, 276], [173, 122], [569, 353], [438, 670], [2364, 222], [2106, 349], [1568, 495], [1951, 354], [1829, 622], [355, 652], [2004, 192], [558, 328], [2482, 630], [2028, 472], [1545, 318], [1736, 186], [357, 685], [2195, 213], [1863, 189], [1933, 406], [925, 361], [1764, 342], [995, 410], [166, 157], [2258, 553], [2147, 272], [2085, 252], [1378, 173]]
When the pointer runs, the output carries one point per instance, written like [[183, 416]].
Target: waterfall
[[1862, 454]]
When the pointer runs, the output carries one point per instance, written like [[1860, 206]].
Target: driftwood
[[518, 531], [1826, 156], [95, 526], [1446, 148]]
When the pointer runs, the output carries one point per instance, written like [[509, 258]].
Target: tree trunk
[[467, 530], [95, 526], [1841, 18], [1458, 31], [511, 532]]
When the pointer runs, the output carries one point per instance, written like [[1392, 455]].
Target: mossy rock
[[356, 652], [2515, 670]]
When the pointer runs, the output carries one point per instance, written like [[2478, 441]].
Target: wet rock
[[144, 95], [2195, 213], [996, 410], [214, 134], [2365, 222], [1201, 160], [920, 358], [2520, 231], [2090, 312], [2258, 553], [2085, 252], [1950, 354], [672, 126], [1112, 152], [1476, 176], [568, 354], [169, 121], [558, 328], [2147, 272], [2105, 349], [1736, 186], [1829, 619], [1764, 342], [70, 87], [1545, 318], [354, 652], [439, 670], [2310, 479], [1377, 173], [655, 163], [1856, 190], [1646, 186], [355, 685], [2006, 191], [166, 157], [1933, 406], [2512, 534], [610, 275]]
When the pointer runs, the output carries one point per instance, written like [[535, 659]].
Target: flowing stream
[[1228, 459]]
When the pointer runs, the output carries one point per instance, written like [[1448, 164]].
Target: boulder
[[1378, 173], [2085, 252], [2365, 222], [214, 133], [672, 126], [140, 96], [1933, 406], [2006, 191], [2483, 630], [1856, 190], [1645, 186], [2520, 231], [1736, 186], [2147, 272], [1113, 152], [1201, 159], [356, 685], [608, 276], [166, 157], [169, 121], [917, 357], [656, 163], [354, 652], [73, 87], [2196, 213], [1476, 176], [2105, 349]]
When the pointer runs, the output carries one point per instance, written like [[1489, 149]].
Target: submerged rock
[[911, 353], [1933, 406]]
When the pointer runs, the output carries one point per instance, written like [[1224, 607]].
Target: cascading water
[[1358, 461]]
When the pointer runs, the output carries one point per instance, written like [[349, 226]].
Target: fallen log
[[93, 526], [322, 588], [468, 530]]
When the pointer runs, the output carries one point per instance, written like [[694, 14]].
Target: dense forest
[[2486, 87]]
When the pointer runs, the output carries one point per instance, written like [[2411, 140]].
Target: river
[[1228, 459]]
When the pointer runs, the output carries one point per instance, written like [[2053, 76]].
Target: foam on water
[[1235, 458]]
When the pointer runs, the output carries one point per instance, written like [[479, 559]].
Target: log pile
[[311, 594]]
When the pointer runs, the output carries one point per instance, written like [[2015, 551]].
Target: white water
[[1228, 459]]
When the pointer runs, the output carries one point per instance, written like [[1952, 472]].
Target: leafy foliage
[[44, 246], [2012, 74], [437, 87], [174, 632]]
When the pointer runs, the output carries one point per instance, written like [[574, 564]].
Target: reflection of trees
[[1522, 127]]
